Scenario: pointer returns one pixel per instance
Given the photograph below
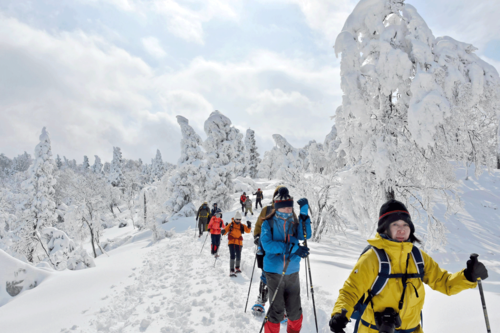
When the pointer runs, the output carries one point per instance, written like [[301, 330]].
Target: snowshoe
[[285, 319], [216, 255], [232, 274], [237, 270], [258, 310]]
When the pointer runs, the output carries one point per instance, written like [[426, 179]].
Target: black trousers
[[215, 243], [235, 251], [288, 297], [258, 201]]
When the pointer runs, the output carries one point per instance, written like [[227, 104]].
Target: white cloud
[[183, 19], [153, 47], [91, 96]]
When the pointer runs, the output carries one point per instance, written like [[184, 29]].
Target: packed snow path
[[179, 290]]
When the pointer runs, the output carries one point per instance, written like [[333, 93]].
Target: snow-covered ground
[[168, 286]]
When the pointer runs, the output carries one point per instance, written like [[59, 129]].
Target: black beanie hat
[[282, 199], [391, 211]]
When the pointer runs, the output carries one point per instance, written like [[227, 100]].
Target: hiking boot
[[232, 274], [237, 270]]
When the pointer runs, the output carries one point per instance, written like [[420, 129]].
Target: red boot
[[294, 326], [271, 327]]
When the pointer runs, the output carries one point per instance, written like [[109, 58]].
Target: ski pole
[[279, 283], [307, 283], [204, 243], [310, 275], [483, 301], [250, 287]]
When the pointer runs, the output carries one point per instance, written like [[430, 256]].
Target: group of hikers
[[383, 293]]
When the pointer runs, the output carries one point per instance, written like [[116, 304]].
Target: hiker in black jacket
[[258, 199]]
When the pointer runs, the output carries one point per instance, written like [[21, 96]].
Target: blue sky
[[104, 73]]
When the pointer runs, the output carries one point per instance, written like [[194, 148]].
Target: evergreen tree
[[252, 160], [115, 176], [157, 168], [190, 172], [97, 167], [59, 163], [85, 165], [221, 156], [40, 205], [401, 110]]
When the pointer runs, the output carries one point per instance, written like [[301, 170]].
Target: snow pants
[[215, 243], [202, 224], [242, 206], [235, 251], [288, 298], [248, 209], [258, 201]]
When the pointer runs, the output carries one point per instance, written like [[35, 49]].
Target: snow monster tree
[[410, 100]]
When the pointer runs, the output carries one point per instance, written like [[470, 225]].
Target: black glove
[[208, 230], [302, 251], [475, 269], [256, 240], [223, 232], [249, 224], [338, 322]]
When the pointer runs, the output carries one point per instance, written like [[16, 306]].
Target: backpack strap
[[384, 272], [419, 261]]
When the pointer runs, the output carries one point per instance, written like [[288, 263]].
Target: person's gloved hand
[[256, 240], [249, 224], [475, 269], [304, 206], [338, 322], [223, 232], [208, 230], [302, 251]]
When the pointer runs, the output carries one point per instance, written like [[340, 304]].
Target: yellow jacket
[[366, 270]]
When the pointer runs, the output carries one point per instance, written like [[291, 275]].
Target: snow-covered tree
[[115, 176], [59, 162], [157, 168], [252, 155], [222, 156], [190, 173], [20, 163], [85, 165], [97, 167], [281, 160], [145, 174], [396, 122], [39, 208], [334, 159], [63, 252]]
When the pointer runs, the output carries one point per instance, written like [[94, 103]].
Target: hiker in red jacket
[[214, 227], [243, 198]]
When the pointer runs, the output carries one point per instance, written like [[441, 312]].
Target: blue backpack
[[384, 274]]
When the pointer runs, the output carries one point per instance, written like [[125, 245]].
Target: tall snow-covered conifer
[[398, 110], [157, 168], [40, 205], [190, 172], [222, 156], [252, 159], [85, 165], [97, 167], [115, 176]]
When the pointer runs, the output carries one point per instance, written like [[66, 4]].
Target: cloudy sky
[[104, 73]]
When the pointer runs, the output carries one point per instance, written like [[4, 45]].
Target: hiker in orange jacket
[[214, 227], [234, 232]]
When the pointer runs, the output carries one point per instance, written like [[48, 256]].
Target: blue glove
[[302, 251], [304, 206]]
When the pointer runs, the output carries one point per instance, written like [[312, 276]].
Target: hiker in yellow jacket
[[398, 305]]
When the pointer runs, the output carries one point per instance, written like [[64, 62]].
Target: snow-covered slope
[[169, 286]]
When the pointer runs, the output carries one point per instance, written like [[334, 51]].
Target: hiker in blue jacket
[[280, 235]]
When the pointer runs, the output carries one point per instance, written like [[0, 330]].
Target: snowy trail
[[179, 290]]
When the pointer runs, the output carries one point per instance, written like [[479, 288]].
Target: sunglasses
[[238, 220]]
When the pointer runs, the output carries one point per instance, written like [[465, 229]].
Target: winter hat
[[391, 211], [282, 198], [237, 216], [258, 189]]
